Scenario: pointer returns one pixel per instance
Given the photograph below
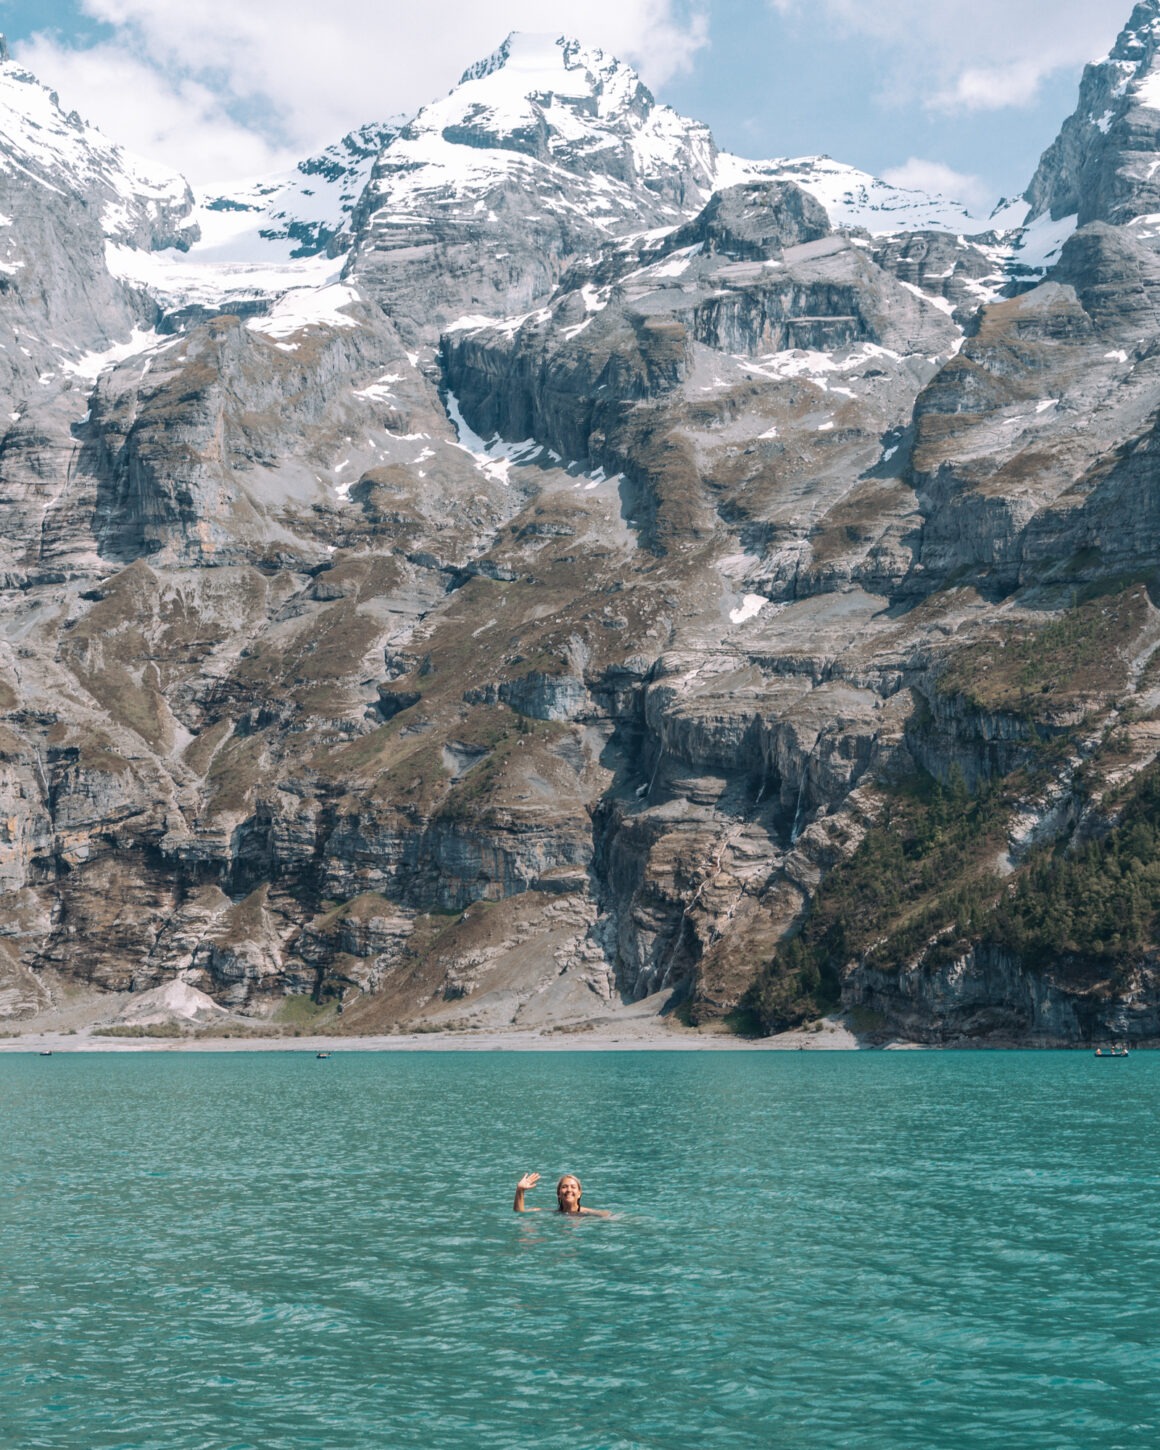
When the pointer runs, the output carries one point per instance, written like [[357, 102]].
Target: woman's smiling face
[[568, 1193]]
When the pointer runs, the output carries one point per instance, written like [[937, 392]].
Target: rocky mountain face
[[530, 561], [1100, 166]]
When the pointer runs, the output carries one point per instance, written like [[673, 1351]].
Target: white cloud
[[969, 54], [989, 88], [300, 74], [919, 175], [176, 120]]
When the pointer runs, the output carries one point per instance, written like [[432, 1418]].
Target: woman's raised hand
[[529, 1180]]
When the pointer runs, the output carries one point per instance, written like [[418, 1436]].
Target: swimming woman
[[568, 1193]]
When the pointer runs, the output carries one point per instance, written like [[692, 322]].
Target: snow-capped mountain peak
[[141, 204], [562, 104], [531, 67], [1103, 165], [521, 50]]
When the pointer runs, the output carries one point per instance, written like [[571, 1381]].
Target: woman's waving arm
[[529, 1180]]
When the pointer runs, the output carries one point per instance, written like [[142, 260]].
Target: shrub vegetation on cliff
[[1079, 656], [923, 870], [1098, 906], [922, 887]]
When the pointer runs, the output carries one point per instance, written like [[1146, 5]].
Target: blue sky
[[968, 92], [774, 84]]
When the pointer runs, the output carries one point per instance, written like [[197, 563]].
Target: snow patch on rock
[[749, 608], [308, 307]]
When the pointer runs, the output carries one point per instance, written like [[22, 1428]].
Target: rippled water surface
[[811, 1250]]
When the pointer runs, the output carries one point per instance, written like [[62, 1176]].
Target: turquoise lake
[[812, 1250]]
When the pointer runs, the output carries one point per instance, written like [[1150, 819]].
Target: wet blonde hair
[[564, 1177]]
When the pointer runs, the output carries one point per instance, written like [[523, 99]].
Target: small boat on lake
[[322, 1054], [1118, 1049]]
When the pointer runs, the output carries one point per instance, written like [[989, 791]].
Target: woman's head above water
[[568, 1193]]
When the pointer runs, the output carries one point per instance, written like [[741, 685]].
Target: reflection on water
[[809, 1250]]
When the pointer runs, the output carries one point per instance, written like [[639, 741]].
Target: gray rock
[[1098, 167]]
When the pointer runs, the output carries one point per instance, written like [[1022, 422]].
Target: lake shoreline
[[627, 1033], [839, 1041], [835, 1037]]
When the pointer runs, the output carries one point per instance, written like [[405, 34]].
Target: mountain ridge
[[549, 599]]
